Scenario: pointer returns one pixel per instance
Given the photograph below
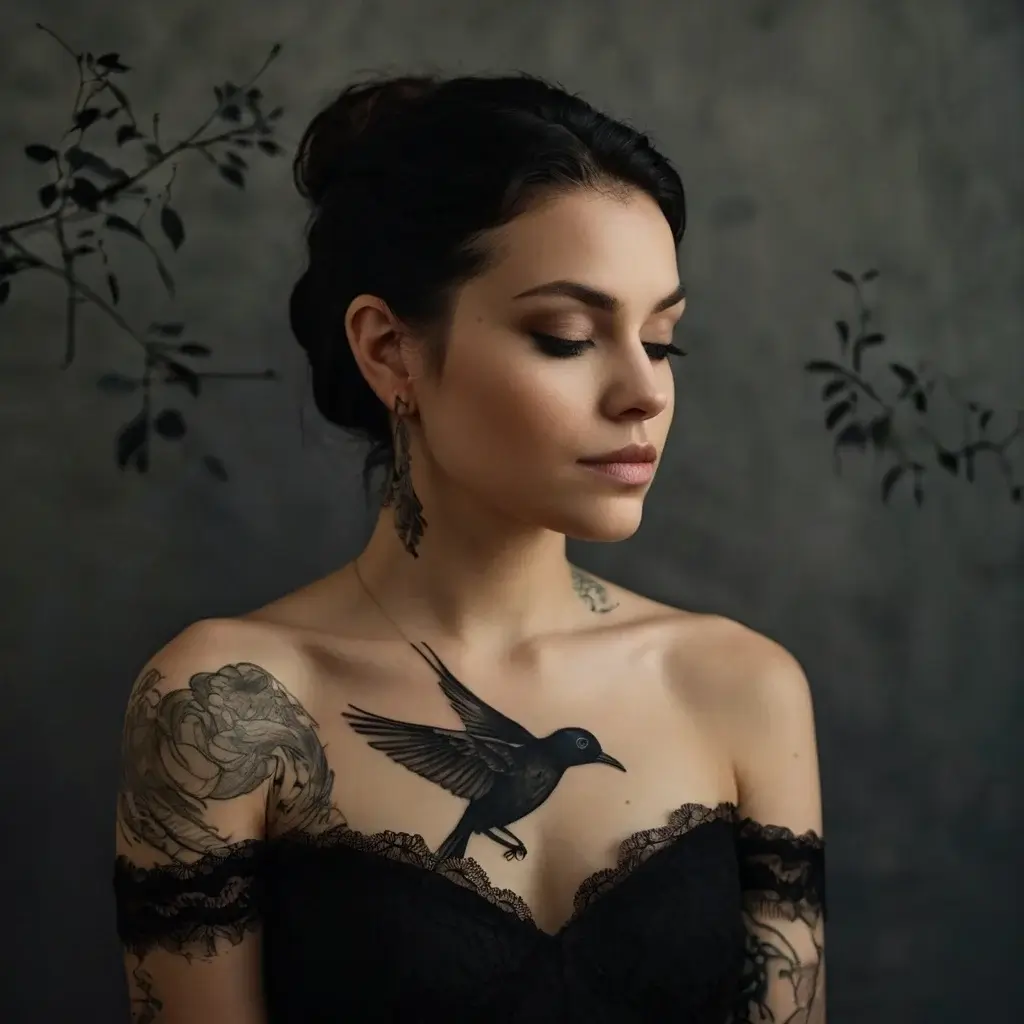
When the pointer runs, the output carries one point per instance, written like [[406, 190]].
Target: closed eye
[[566, 348]]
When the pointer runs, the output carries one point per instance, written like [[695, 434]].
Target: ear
[[382, 349]]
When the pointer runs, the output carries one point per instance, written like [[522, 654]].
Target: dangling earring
[[409, 521]]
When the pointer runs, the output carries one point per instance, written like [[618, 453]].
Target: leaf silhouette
[[172, 226], [869, 275], [823, 366], [86, 117], [117, 223], [117, 383], [112, 62], [232, 174], [844, 275], [836, 413], [852, 435], [948, 461], [166, 330], [85, 193], [907, 377], [47, 196], [880, 430], [114, 287], [889, 481], [81, 160], [862, 343], [179, 373], [39, 153], [126, 133], [833, 387], [216, 467], [170, 424]]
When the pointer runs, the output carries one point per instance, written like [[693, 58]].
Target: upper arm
[[203, 731], [779, 841]]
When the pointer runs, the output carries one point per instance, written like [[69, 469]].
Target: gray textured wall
[[810, 134]]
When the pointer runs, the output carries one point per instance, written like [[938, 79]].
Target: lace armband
[[782, 882], [781, 874], [187, 908]]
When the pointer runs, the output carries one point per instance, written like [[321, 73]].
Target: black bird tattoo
[[502, 769]]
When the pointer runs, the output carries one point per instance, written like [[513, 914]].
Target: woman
[[460, 779]]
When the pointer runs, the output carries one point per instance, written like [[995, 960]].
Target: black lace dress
[[365, 928]]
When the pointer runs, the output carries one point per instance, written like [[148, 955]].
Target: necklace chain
[[380, 607]]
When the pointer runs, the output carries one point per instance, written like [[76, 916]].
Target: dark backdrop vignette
[[810, 138]]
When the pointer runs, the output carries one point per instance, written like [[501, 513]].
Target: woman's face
[[510, 418]]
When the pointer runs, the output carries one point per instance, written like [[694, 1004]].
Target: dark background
[[810, 135]]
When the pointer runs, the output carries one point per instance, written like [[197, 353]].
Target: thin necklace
[[380, 607]]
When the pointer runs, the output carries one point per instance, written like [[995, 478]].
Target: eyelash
[[565, 348]]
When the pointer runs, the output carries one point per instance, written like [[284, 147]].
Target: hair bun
[[337, 129]]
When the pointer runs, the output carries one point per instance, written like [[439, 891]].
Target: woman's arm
[[780, 845], [204, 732]]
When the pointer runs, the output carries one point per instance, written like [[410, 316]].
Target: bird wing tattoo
[[463, 764], [479, 718]]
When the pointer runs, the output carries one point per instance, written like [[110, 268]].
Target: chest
[[540, 785], [660, 941]]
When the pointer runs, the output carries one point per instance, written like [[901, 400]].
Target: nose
[[637, 388]]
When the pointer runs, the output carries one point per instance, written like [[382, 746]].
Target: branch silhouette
[[862, 416], [88, 201]]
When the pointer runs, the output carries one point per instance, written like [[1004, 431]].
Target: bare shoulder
[[221, 644], [753, 695], [210, 733], [748, 677], [716, 657], [253, 660], [717, 650], [733, 654]]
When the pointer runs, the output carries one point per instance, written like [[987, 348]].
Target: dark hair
[[404, 175]]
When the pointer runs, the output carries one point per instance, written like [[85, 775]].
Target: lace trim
[[188, 907], [782, 874], [412, 849], [183, 907], [641, 846]]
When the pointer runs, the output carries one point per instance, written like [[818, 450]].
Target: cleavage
[[634, 851]]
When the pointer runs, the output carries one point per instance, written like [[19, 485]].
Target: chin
[[603, 521]]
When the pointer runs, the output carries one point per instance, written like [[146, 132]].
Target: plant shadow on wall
[[898, 419], [91, 199]]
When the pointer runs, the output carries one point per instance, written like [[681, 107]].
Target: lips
[[632, 453]]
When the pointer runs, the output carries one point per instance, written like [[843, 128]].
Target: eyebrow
[[598, 299]]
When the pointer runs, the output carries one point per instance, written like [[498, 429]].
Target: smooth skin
[[698, 708]]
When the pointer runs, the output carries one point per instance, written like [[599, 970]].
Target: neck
[[477, 580]]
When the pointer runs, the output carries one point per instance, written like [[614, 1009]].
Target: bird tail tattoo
[[458, 840]]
